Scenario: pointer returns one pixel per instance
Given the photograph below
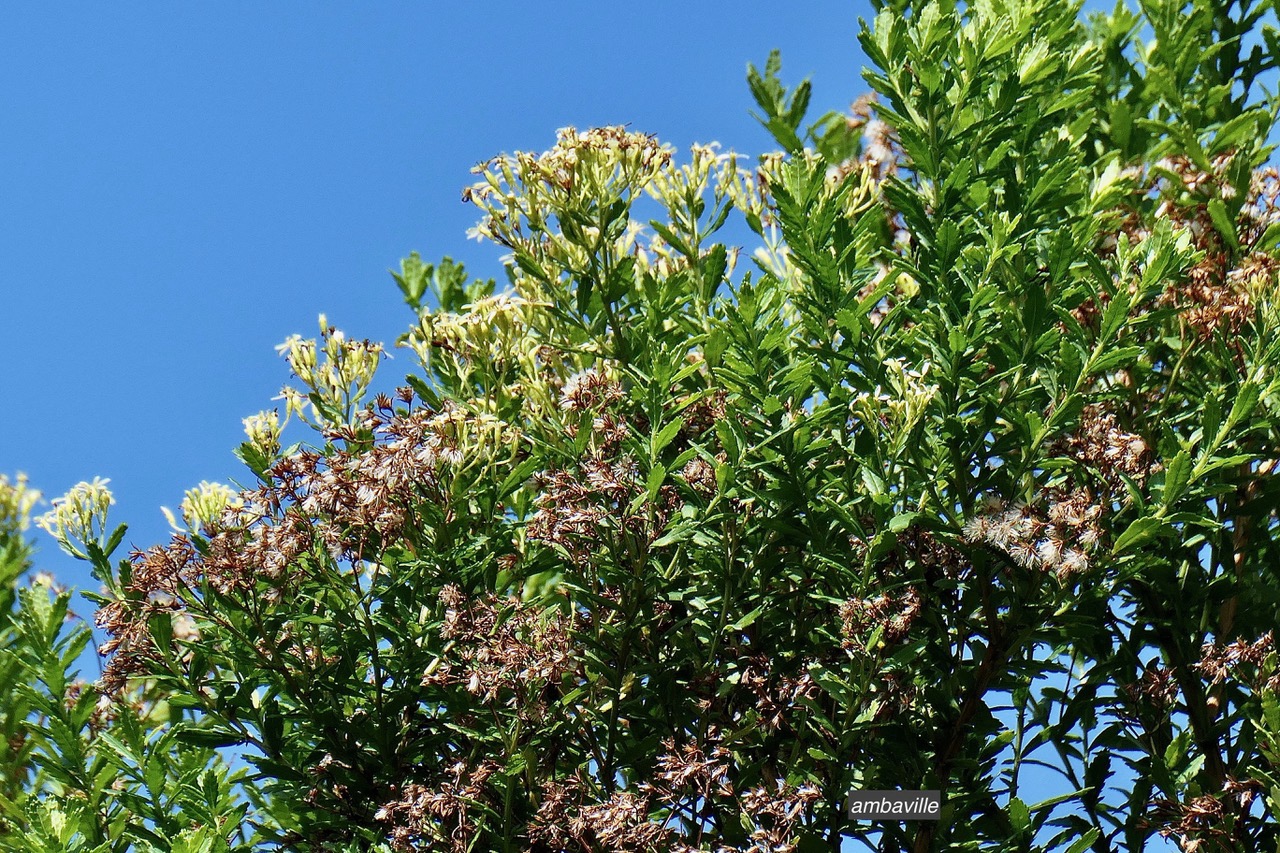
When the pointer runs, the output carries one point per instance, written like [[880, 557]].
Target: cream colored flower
[[16, 503], [79, 517]]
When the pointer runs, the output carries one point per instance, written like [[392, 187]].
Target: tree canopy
[[934, 450]]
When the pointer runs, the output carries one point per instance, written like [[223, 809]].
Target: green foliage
[[963, 472], [81, 770]]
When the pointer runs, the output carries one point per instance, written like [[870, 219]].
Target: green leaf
[[1019, 815], [902, 521], [1222, 221], [657, 476], [1177, 473], [1141, 531], [213, 738], [666, 435], [1084, 842], [1246, 401]]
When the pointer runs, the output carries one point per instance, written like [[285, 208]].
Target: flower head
[[79, 517]]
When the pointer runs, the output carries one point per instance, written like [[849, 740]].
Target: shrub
[[961, 478]]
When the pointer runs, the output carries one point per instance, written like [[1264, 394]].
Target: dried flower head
[[1056, 538], [590, 391], [1219, 661], [891, 615], [502, 650]]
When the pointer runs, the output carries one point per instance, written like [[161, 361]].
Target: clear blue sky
[[182, 186]]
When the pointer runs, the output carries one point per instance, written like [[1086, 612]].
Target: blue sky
[[186, 185]]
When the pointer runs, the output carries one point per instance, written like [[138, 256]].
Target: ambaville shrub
[[958, 476]]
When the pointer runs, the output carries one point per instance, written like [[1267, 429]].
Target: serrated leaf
[[1019, 815], [1142, 530], [666, 435], [1176, 475], [1244, 404], [1222, 221]]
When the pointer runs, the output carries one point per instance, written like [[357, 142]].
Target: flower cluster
[[205, 505], [576, 508], [158, 584], [518, 192], [700, 476], [443, 818], [78, 517], [1101, 444], [342, 506], [591, 504], [693, 770], [1057, 539], [263, 431], [503, 648], [1200, 824], [591, 390], [16, 503], [775, 694], [891, 616], [492, 335], [1222, 288], [896, 411], [776, 812], [337, 372], [1156, 689], [1242, 658], [882, 152], [620, 824], [625, 822]]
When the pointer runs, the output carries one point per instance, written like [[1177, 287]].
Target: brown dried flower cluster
[[700, 475], [580, 507], [1101, 444], [776, 694], [1200, 820], [892, 615], [596, 393], [342, 505], [882, 151], [692, 770], [590, 505], [504, 648], [1156, 689], [1220, 661], [703, 413], [590, 391], [106, 710], [1218, 294], [443, 819], [157, 585], [347, 501], [1192, 822], [620, 824], [632, 822], [1055, 539]]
